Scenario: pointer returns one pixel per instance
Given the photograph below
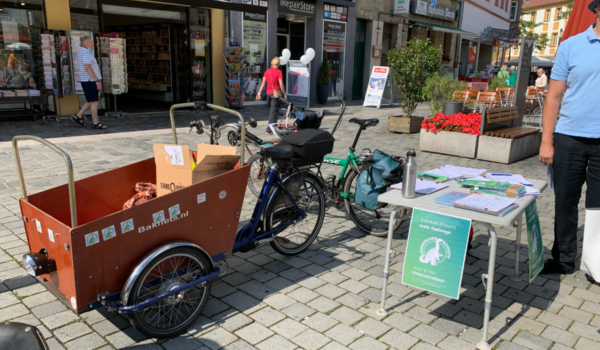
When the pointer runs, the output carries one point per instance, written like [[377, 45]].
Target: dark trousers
[[576, 161], [273, 110]]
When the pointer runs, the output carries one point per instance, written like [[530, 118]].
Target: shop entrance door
[[359, 60]]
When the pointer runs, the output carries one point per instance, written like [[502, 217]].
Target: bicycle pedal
[[282, 240]]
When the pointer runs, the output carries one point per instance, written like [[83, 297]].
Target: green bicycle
[[340, 189]]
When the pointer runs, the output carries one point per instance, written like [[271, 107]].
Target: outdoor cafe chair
[[460, 96], [534, 104], [487, 99], [471, 100], [506, 96]]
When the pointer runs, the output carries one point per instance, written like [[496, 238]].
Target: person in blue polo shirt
[[575, 153]]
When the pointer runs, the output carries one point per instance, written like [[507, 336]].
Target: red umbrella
[[580, 20]]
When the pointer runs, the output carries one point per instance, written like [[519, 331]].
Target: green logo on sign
[[158, 217], [91, 239], [174, 211], [127, 226], [434, 251], [109, 233]]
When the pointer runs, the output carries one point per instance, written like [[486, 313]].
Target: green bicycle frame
[[351, 159]]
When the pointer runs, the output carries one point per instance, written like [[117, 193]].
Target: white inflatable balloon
[[304, 59], [310, 53], [286, 53], [283, 61]]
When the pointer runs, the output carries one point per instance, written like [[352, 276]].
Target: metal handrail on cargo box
[[218, 108], [71, 180]]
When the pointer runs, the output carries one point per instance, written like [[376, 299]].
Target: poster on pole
[[298, 84], [534, 238], [74, 47], [400, 6], [435, 252], [377, 84]]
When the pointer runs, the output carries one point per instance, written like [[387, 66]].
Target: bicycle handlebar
[[242, 123]]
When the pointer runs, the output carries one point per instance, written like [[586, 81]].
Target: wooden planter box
[[452, 143], [405, 124]]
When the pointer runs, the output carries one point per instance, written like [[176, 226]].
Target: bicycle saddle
[[280, 151], [365, 123]]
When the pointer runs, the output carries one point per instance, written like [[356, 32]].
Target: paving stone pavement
[[326, 297]]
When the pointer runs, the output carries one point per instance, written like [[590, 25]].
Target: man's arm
[[551, 107]]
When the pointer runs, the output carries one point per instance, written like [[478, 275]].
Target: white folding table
[[394, 198]]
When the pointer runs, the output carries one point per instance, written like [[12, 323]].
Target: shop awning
[[440, 28]]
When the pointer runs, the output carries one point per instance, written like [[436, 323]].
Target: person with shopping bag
[[573, 149], [273, 78]]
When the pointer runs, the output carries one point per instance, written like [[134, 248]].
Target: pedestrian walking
[[575, 153], [89, 77], [512, 77], [503, 74], [274, 81]]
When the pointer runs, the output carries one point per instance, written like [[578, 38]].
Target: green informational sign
[[435, 252], [534, 237]]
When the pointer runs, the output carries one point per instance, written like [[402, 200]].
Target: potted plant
[[323, 80], [439, 89], [446, 59], [497, 83], [410, 68], [455, 134]]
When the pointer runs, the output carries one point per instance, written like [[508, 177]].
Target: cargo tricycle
[[155, 262]]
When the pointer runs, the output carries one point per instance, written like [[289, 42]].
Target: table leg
[[516, 277], [386, 269], [489, 277]]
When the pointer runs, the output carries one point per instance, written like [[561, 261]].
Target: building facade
[[382, 25], [551, 17], [176, 51], [490, 21]]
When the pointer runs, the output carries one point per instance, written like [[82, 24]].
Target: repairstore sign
[[298, 7]]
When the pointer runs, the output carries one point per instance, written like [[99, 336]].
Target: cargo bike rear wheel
[[167, 271]]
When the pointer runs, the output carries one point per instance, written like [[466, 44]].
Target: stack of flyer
[[497, 188]]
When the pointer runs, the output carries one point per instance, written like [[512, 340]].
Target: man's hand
[[99, 85], [546, 153]]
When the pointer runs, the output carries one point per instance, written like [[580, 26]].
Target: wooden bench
[[499, 122], [504, 142]]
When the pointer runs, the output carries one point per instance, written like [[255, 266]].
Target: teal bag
[[369, 185]]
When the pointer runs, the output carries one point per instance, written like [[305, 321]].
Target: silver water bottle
[[409, 177]]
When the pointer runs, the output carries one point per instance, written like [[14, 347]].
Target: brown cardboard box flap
[[216, 157], [173, 156]]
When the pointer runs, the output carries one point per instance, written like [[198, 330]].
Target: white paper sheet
[[485, 202], [510, 178], [176, 154], [463, 170], [423, 186], [550, 173]]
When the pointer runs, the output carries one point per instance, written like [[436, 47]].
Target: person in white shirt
[[542, 80], [89, 77]]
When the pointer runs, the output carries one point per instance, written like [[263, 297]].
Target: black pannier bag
[[310, 143]]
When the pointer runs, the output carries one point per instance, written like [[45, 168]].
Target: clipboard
[[482, 210]]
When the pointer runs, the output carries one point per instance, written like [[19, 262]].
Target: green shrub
[[410, 68], [323, 76], [439, 88], [497, 83]]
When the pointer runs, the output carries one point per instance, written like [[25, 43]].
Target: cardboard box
[[177, 167]]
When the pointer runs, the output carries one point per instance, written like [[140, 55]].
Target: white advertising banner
[[376, 87], [298, 87]]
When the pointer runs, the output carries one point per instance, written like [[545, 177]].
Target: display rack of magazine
[[113, 63], [55, 59], [235, 70]]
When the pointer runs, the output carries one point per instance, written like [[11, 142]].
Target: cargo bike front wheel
[[166, 272]]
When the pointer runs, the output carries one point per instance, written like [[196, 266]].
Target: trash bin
[[451, 107]]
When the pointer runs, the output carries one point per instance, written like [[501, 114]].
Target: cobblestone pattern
[[325, 298]]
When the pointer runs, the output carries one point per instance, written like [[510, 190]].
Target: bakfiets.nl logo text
[[299, 6]]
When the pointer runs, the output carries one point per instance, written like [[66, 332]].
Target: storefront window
[[334, 39], [201, 56], [255, 50], [21, 48], [84, 15]]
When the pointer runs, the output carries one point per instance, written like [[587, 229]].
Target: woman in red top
[[274, 81]]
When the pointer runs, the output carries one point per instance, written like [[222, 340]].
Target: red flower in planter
[[460, 122]]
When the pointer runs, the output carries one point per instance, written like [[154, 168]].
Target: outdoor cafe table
[[426, 202]]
